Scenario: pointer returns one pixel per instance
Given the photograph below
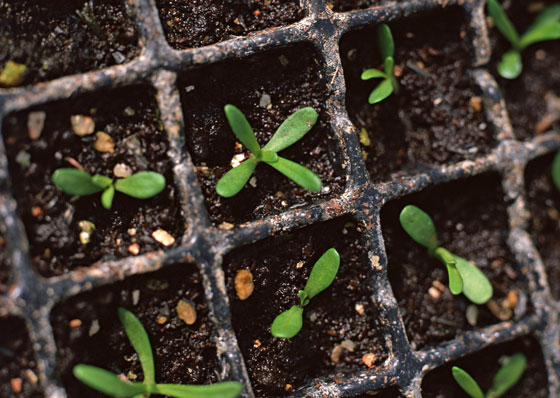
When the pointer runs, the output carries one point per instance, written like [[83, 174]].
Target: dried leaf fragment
[[244, 284], [186, 312], [12, 74]]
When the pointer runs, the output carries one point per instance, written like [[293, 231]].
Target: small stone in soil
[[82, 125], [35, 124], [186, 312], [74, 323], [31, 376], [336, 353], [163, 237], [476, 103], [135, 296], [16, 385], [122, 170], [134, 249], [369, 359], [472, 314], [104, 142], [359, 308], [94, 327], [348, 345], [161, 320], [434, 293], [244, 284], [225, 226]]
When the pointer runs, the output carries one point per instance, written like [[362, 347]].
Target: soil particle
[[139, 142], [183, 354], [483, 365], [197, 23], [543, 201], [329, 319], [212, 144], [471, 221], [17, 360], [53, 41], [525, 96], [431, 121]]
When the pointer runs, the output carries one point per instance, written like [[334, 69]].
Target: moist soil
[[51, 217], [437, 117], [526, 96], [471, 221], [5, 270], [197, 23], [183, 354], [267, 88], [280, 267], [52, 40], [351, 5], [543, 200], [483, 365], [17, 361]]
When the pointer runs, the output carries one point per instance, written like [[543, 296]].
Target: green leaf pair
[[110, 384], [464, 277], [508, 375], [289, 132], [289, 323], [545, 27], [389, 83], [141, 185]]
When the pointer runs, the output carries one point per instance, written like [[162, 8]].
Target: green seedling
[[111, 384], [508, 375], [289, 323], [289, 132], [141, 185], [464, 277], [556, 171], [389, 83], [545, 27]]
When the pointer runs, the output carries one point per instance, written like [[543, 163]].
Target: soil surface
[[5, 269], [437, 117], [51, 217], [526, 96], [392, 392], [267, 88], [198, 23], [183, 354], [52, 40], [543, 201], [280, 267], [351, 5], [471, 221], [483, 365], [17, 361]]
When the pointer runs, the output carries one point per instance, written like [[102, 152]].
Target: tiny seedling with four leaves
[[289, 323], [389, 84], [141, 185], [290, 131], [111, 384], [464, 277], [545, 27], [508, 375]]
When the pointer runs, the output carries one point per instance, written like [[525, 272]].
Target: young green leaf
[[269, 157], [288, 323], [373, 74], [322, 273], [455, 280], [419, 226], [74, 182], [547, 16], [298, 174], [292, 129], [389, 64], [303, 298], [106, 382], [242, 129], [140, 342], [540, 33], [556, 170], [226, 389], [503, 23], [385, 41], [466, 382], [107, 197], [141, 185], [510, 65], [476, 286], [382, 91], [101, 181], [508, 375], [235, 179]]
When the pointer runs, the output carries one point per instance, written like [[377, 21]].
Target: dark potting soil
[[280, 267], [543, 200], [17, 361], [351, 5], [527, 96], [267, 88], [471, 221], [197, 23], [87, 330], [52, 40], [483, 365], [5, 270], [391, 392], [437, 117], [51, 217]]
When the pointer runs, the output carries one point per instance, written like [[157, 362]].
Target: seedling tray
[[355, 199]]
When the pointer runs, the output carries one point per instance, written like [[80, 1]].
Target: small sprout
[[389, 83], [86, 14], [111, 384], [289, 323], [545, 27], [142, 185], [556, 171], [289, 132], [13, 74], [508, 375], [464, 277]]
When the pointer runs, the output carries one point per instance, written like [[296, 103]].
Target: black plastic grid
[[32, 297]]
